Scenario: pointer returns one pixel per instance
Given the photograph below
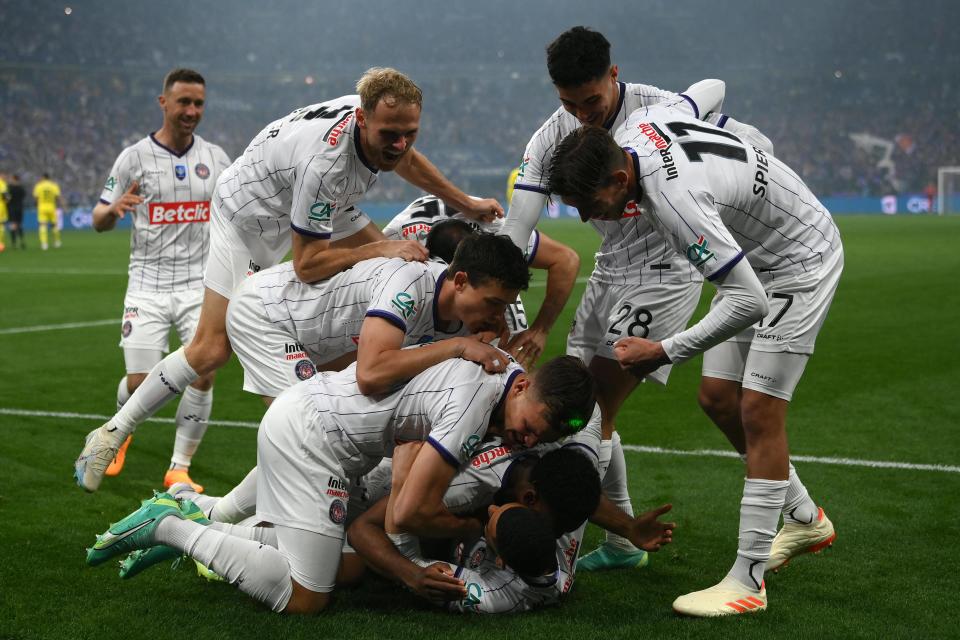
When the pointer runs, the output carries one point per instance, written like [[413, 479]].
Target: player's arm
[[705, 97], [417, 507], [747, 133], [368, 537], [314, 259], [382, 362], [106, 214], [562, 265], [525, 208], [416, 169], [743, 302], [645, 531]]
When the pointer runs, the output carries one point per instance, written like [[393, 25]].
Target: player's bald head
[[384, 83], [578, 55]]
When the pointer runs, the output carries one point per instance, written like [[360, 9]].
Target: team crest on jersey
[[469, 446], [304, 369], [403, 302], [180, 171], [338, 512], [477, 558], [111, 183], [202, 171], [126, 329], [698, 253], [321, 211]]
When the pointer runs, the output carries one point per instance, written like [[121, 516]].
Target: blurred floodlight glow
[[67, 10]]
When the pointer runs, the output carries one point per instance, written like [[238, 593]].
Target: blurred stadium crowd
[[873, 114]]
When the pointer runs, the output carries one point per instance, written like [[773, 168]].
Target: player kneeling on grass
[[322, 431]]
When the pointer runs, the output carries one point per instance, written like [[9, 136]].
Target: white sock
[[240, 503], [169, 378], [759, 516], [798, 507], [615, 487], [266, 535], [193, 413], [257, 569], [205, 502], [123, 393]]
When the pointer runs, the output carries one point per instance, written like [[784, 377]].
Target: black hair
[[578, 55], [445, 236], [566, 386], [569, 485], [525, 542], [484, 256], [182, 75], [583, 163]]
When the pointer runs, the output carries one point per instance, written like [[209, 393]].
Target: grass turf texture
[[882, 386]]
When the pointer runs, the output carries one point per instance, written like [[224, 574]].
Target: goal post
[[948, 190]]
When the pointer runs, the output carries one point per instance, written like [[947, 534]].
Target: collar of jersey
[[636, 171], [609, 123], [436, 310], [359, 148], [193, 139]]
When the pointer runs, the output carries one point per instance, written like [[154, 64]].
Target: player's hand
[[129, 201], [476, 350], [437, 583], [403, 457], [649, 533], [640, 356], [484, 210], [409, 250], [527, 346]]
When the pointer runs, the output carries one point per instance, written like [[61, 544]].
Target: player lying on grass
[[561, 263], [320, 432], [294, 188], [639, 285], [708, 194]]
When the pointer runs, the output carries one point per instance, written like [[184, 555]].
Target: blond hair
[[380, 83]]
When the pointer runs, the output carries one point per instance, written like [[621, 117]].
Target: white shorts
[[148, 316], [609, 312], [272, 359], [296, 488], [770, 356], [237, 253]]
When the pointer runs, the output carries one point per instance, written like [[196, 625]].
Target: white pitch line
[[63, 272], [703, 453], [56, 327]]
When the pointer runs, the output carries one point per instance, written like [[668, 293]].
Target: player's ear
[[614, 72], [162, 101], [460, 280], [528, 498], [361, 118]]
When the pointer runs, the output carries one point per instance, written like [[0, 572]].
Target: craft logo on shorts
[[180, 171], [127, 329], [470, 445], [111, 183], [698, 253], [304, 369], [338, 512], [202, 171], [179, 212], [321, 211], [404, 303], [474, 595]]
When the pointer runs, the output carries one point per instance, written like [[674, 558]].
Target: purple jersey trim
[[102, 201], [536, 246], [359, 148], [725, 269], [527, 187], [623, 90], [312, 234], [722, 121], [389, 317], [696, 109], [448, 457], [163, 146]]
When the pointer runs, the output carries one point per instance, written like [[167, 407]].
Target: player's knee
[[208, 352], [305, 602], [762, 415], [716, 401], [134, 380]]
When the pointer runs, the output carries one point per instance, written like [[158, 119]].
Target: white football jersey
[[415, 222], [714, 198], [326, 316], [303, 171], [170, 236], [449, 406], [631, 252]]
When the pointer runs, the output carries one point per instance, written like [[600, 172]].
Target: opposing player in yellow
[[4, 196], [47, 194]]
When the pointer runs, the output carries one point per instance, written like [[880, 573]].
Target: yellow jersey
[[3, 200], [46, 192]]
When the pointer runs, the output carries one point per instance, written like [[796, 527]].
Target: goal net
[[948, 190]]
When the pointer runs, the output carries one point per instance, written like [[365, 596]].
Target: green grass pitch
[[882, 386]]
